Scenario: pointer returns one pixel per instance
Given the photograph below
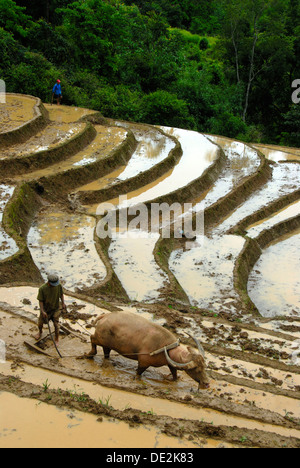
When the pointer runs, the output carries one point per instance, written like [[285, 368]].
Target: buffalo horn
[[176, 364], [199, 346]]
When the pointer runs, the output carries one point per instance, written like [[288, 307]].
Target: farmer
[[56, 92], [48, 297]]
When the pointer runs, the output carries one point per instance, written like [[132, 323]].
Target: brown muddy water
[[15, 112], [64, 243], [62, 428], [205, 271], [53, 135], [198, 154], [285, 180], [66, 114], [153, 147], [106, 140], [288, 212], [274, 284], [132, 259], [279, 153]]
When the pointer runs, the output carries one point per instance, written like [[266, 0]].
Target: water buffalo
[[136, 338]]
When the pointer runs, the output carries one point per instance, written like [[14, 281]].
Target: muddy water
[[290, 212], [153, 147], [53, 135], [106, 140], [62, 428], [274, 284], [66, 114], [242, 161], [13, 332], [121, 400], [15, 112], [133, 261], [64, 243], [205, 272], [8, 246], [285, 180], [198, 154], [279, 153]]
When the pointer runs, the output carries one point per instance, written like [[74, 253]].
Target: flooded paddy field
[[251, 340]]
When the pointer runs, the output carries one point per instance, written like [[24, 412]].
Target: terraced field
[[231, 279]]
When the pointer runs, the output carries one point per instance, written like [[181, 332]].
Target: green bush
[[163, 108]]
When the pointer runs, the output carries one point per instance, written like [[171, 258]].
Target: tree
[[251, 27]]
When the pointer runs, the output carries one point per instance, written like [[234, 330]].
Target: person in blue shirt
[[56, 92]]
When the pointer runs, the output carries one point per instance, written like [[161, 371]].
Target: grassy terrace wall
[[251, 253], [42, 159], [26, 130], [31, 162], [58, 186], [136, 182], [17, 219], [226, 205]]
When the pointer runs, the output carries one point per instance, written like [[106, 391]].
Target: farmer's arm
[[63, 301], [42, 308]]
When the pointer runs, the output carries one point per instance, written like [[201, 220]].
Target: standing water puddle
[[65, 428], [198, 154], [106, 140], [205, 272], [290, 212], [153, 147], [133, 261], [16, 111], [274, 284], [53, 135], [64, 243], [285, 180]]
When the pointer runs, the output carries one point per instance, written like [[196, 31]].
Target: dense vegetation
[[223, 67]]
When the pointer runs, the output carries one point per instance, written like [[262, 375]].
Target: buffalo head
[[195, 367]]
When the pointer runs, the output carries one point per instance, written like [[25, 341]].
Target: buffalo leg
[[141, 370], [173, 372], [93, 351], [106, 352]]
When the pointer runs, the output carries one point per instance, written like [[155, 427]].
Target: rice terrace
[[149, 226], [234, 286]]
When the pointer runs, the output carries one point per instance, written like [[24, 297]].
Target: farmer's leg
[[40, 327], [55, 319]]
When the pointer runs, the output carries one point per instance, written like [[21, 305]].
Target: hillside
[[219, 67]]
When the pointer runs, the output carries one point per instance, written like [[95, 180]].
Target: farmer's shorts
[[54, 316]]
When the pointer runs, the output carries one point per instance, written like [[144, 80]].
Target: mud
[[21, 117], [16, 111], [58, 241], [191, 415]]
